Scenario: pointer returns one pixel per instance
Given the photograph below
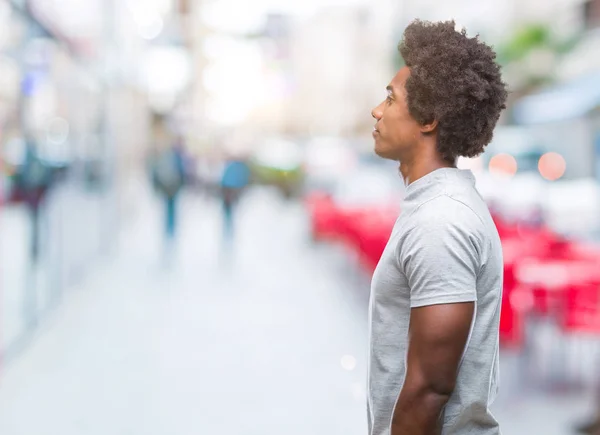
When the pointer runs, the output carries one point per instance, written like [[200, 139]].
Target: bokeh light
[[552, 166], [348, 362], [503, 164]]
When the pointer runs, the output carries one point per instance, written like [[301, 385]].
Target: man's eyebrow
[[390, 89]]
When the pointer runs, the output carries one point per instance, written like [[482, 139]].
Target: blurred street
[[258, 336], [265, 338]]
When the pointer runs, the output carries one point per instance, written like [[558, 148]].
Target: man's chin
[[384, 153]]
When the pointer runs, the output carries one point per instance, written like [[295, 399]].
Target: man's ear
[[429, 127]]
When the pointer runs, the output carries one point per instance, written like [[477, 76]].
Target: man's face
[[395, 130]]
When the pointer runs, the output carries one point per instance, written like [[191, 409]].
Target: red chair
[[323, 215], [582, 309], [365, 232], [373, 243], [580, 332], [515, 305], [521, 296]]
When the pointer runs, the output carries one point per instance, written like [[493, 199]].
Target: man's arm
[[437, 338], [441, 257]]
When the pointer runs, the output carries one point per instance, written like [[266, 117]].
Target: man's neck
[[417, 167]]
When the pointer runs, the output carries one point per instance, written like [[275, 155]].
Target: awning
[[560, 103]]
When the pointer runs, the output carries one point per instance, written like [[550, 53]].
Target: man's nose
[[376, 113]]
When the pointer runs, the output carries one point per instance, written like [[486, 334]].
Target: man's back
[[443, 205]]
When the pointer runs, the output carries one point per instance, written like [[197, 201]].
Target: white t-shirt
[[444, 248]]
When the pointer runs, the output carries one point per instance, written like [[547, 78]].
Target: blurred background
[[191, 211]]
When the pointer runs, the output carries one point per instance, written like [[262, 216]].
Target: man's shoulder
[[446, 210]]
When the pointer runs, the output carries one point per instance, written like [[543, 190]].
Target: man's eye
[[388, 99]]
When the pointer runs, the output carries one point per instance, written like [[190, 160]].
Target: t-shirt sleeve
[[441, 256]]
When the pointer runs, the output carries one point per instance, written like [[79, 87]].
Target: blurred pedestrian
[[234, 180], [436, 292], [169, 176], [33, 179]]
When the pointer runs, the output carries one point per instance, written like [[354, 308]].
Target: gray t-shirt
[[444, 249]]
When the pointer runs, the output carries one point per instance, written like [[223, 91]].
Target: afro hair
[[455, 80]]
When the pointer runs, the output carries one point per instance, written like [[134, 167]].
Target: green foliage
[[523, 41], [530, 38], [533, 37]]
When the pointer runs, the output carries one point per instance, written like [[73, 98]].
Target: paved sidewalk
[[246, 345]]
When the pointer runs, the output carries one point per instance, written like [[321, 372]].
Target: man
[[436, 292]]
